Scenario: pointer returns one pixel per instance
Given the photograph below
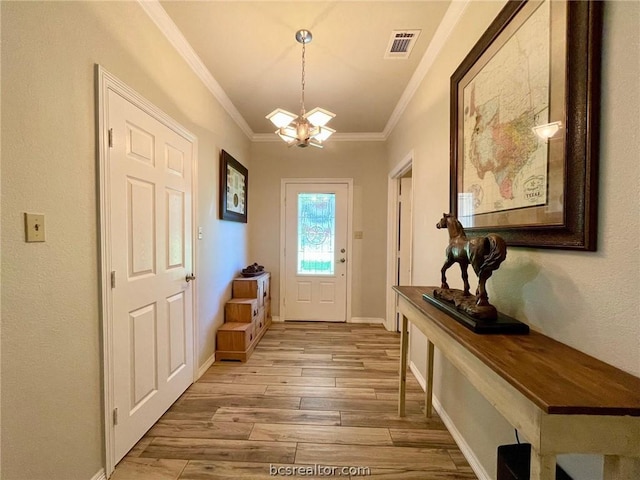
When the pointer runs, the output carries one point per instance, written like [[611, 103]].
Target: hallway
[[312, 394]]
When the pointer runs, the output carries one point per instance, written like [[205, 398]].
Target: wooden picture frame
[[234, 188], [537, 64]]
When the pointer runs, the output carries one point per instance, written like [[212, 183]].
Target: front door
[[315, 251], [149, 170]]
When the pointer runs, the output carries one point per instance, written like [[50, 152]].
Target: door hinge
[[115, 416], [113, 279], [111, 138]]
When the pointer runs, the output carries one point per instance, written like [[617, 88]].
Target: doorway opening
[[399, 236]]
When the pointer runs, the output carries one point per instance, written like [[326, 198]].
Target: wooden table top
[[557, 378]]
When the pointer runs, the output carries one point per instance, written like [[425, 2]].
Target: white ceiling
[[247, 52]]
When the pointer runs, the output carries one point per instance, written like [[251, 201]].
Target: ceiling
[[248, 53]]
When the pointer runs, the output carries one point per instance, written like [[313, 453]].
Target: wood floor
[[311, 394]]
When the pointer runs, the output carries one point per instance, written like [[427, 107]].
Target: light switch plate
[[34, 227]]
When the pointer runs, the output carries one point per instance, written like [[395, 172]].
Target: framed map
[[234, 182], [524, 126]]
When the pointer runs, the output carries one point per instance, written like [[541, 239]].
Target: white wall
[[588, 300], [365, 162], [51, 340]]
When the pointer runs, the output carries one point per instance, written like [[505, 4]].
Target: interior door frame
[[395, 175], [315, 181], [105, 82]]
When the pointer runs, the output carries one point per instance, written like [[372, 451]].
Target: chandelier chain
[[303, 79]]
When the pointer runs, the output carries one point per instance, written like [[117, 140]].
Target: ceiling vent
[[401, 43]]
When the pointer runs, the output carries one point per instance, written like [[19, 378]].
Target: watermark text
[[317, 471]]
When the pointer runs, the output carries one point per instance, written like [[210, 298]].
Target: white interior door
[[149, 170], [315, 251]]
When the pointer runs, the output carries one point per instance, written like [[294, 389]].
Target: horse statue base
[[466, 303], [503, 324]]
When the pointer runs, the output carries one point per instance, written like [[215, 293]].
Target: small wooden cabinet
[[247, 316]]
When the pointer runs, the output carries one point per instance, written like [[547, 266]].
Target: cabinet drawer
[[260, 319], [266, 288], [267, 309], [241, 310], [235, 337]]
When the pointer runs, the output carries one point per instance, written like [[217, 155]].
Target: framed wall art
[[524, 126], [234, 184]]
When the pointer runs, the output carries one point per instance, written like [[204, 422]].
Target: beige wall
[[365, 162], [587, 300], [51, 330]]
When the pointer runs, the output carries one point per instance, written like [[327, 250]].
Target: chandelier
[[308, 128]]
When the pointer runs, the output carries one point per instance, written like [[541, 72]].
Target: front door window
[[316, 233]]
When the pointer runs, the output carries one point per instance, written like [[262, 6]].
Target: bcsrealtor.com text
[[317, 471]]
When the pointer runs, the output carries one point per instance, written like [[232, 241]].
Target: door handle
[[342, 260], [190, 277]]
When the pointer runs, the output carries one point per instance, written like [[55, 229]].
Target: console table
[[560, 399]]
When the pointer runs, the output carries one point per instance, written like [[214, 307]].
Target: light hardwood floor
[[311, 394]]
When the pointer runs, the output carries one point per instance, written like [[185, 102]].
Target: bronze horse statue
[[485, 254]]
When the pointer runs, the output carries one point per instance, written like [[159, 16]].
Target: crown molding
[[336, 137], [359, 137], [170, 30], [449, 21]]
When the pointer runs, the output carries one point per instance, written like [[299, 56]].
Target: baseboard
[[374, 320], [418, 375], [206, 365], [464, 447], [366, 320], [100, 475]]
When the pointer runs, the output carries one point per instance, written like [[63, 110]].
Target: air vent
[[401, 43]]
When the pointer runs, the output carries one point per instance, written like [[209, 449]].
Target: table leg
[[428, 400], [543, 467], [620, 468], [404, 344]]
